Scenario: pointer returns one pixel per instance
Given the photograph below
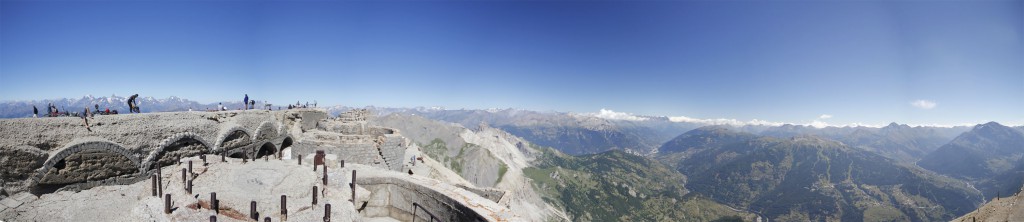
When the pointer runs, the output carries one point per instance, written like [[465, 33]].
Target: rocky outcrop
[[998, 209]]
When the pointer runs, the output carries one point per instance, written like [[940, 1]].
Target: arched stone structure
[[178, 145], [92, 160], [286, 142], [267, 148], [265, 131], [233, 137]]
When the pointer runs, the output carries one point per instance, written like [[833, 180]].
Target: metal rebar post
[[184, 179], [314, 195], [153, 179], [327, 213], [213, 202], [284, 208], [353, 186], [252, 211], [167, 203]]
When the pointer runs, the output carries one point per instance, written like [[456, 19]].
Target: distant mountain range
[[988, 149], [896, 141], [810, 178], [990, 155], [570, 133]]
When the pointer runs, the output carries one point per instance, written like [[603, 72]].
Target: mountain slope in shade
[[812, 178], [985, 151], [704, 137], [701, 139]]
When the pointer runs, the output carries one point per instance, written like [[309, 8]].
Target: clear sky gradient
[[787, 61]]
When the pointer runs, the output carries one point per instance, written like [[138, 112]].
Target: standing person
[[35, 112], [220, 106], [245, 102], [252, 104], [85, 117]]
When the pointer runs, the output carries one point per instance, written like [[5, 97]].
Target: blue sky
[[786, 61]]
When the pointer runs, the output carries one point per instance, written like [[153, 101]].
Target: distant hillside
[[990, 155], [570, 133], [985, 151], [618, 186], [698, 140], [896, 141], [811, 178], [899, 141]]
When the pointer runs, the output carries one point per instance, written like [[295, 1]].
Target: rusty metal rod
[[252, 211], [167, 203], [153, 179], [327, 213]]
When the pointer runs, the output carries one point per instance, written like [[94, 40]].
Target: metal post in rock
[[284, 208], [252, 211], [167, 203]]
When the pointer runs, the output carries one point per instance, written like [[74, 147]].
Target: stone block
[[10, 202]]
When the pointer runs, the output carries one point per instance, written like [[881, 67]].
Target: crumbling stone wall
[[399, 198], [382, 150], [18, 163], [62, 151], [178, 146], [392, 149], [310, 119], [266, 131], [236, 139], [92, 159]]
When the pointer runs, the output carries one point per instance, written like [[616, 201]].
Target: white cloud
[[612, 115], [923, 104], [755, 122], [825, 116], [722, 121], [818, 124]]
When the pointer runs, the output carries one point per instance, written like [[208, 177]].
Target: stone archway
[[287, 142], [235, 139], [231, 137], [238, 154], [267, 148], [85, 162], [265, 131], [175, 147]]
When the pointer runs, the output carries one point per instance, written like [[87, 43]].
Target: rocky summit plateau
[[294, 164]]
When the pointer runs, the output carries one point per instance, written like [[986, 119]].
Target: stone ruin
[[45, 155]]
